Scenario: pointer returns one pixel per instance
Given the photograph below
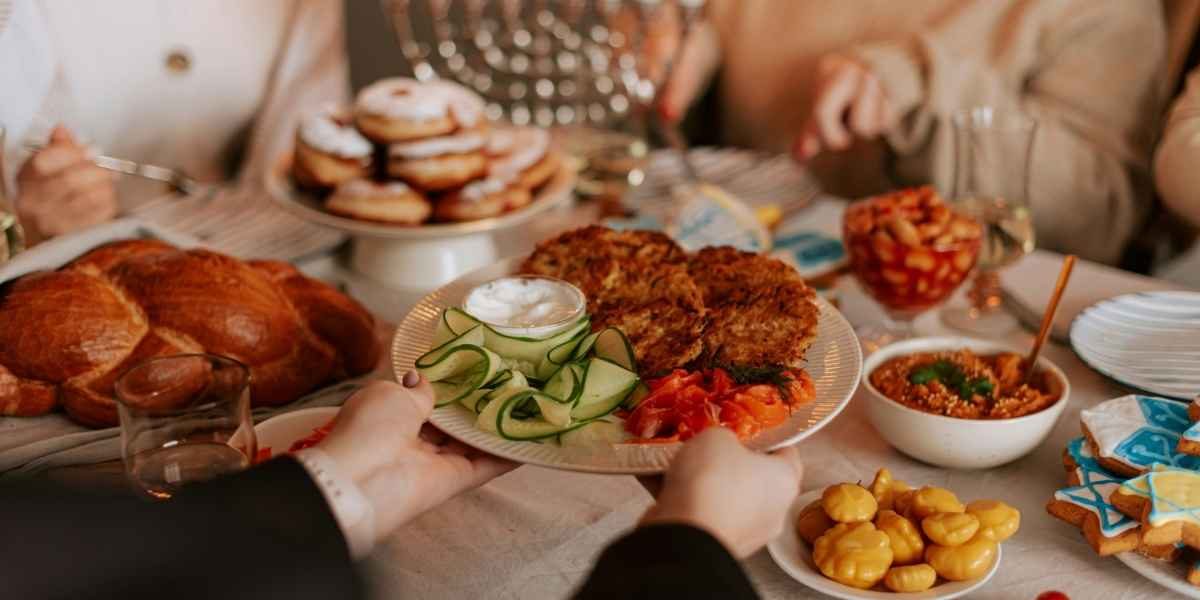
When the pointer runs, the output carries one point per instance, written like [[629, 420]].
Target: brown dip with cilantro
[[963, 384]]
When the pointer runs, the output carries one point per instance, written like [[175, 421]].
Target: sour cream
[[527, 306]]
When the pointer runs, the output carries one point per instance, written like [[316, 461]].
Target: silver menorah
[[548, 62]]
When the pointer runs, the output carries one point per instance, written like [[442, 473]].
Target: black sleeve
[[264, 533], [666, 561]]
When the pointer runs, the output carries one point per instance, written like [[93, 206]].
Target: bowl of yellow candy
[[889, 540]]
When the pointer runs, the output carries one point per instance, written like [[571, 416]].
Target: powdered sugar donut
[[329, 150], [439, 163], [480, 200], [400, 109], [522, 155], [387, 202]]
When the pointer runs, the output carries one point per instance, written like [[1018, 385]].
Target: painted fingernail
[[411, 379]]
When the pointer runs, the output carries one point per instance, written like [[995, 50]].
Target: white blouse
[[212, 87]]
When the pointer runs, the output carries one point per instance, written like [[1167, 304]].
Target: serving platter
[[834, 362], [1149, 341], [1171, 574], [422, 257], [795, 558]]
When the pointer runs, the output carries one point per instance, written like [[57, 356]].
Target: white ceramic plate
[[1169, 574], [281, 431], [794, 557], [309, 207], [834, 362], [1150, 341]]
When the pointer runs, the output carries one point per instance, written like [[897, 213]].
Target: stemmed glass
[[184, 419], [993, 150], [12, 237], [909, 251]]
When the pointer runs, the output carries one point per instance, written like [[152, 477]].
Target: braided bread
[[67, 335]]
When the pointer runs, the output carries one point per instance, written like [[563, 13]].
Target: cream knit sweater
[[1090, 72]]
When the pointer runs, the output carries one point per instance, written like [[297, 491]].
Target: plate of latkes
[[718, 337]]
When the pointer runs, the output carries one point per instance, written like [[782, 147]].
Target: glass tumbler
[[12, 237], [184, 419], [993, 151]]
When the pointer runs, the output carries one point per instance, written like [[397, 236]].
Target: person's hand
[[62, 190], [403, 467], [739, 496], [849, 102], [697, 61]]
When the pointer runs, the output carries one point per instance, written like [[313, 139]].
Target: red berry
[[1053, 596]]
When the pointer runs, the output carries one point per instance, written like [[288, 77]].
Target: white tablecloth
[[534, 532]]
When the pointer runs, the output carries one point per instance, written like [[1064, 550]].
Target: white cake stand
[[421, 257]]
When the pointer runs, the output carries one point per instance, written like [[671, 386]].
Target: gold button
[[179, 61]]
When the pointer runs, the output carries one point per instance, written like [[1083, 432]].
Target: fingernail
[[411, 379]]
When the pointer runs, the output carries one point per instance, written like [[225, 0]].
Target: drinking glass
[[993, 149], [184, 419], [12, 237]]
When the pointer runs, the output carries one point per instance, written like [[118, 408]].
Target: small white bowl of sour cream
[[526, 305]]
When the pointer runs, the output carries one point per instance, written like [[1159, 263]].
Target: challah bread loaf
[[66, 336]]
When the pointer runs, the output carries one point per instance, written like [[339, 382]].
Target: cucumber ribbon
[[525, 388]]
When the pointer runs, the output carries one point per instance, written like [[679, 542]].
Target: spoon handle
[[1064, 276]]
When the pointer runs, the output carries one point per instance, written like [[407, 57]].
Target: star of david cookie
[[1085, 504], [1166, 502], [1131, 434], [1189, 440]]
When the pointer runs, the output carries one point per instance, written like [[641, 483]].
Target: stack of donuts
[[410, 152]]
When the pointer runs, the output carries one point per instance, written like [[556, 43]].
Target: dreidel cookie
[[1131, 434]]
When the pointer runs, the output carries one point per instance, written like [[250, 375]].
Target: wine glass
[[12, 237], [910, 251], [184, 418], [993, 150]]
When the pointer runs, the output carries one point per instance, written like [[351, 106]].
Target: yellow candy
[[813, 522], [913, 578], [950, 529], [853, 554], [960, 563], [848, 503], [881, 488], [907, 545], [902, 501], [997, 520], [929, 500]]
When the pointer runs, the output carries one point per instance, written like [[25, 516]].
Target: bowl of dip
[[957, 442], [530, 306]]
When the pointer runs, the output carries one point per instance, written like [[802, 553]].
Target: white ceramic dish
[[795, 558], [950, 442], [281, 431], [1169, 574], [1150, 341], [834, 362]]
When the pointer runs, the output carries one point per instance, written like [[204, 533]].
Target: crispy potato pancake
[[665, 335], [760, 312], [598, 259], [721, 306]]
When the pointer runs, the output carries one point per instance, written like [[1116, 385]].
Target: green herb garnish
[[951, 376], [776, 375]]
